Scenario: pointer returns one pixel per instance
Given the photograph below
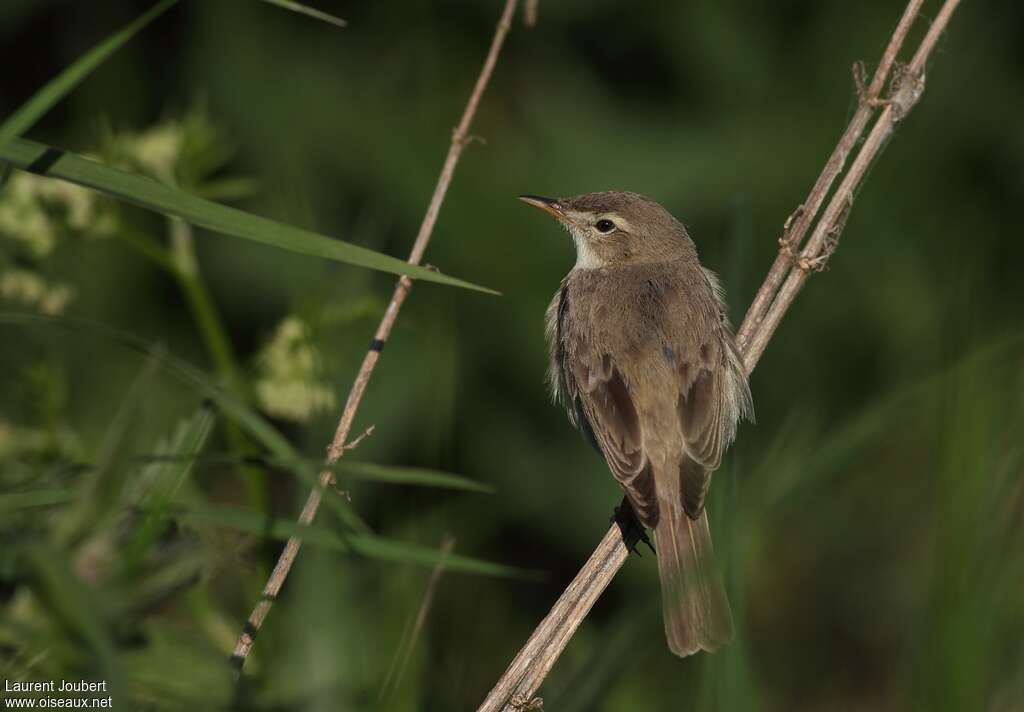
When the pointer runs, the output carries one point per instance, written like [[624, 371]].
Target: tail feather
[[695, 607]]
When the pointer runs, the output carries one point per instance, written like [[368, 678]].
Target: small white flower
[[157, 149]]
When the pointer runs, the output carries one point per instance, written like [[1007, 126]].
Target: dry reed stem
[[515, 690], [906, 89], [460, 137], [803, 216]]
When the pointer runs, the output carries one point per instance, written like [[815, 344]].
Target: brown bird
[[643, 358]]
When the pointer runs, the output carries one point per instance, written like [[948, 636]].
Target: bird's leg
[[633, 532]]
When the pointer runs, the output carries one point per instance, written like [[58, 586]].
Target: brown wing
[[606, 412], [713, 395], [598, 401]]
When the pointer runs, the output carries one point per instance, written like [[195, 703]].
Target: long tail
[[695, 607]]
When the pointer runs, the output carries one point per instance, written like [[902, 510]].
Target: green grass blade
[[398, 475], [61, 85], [354, 471], [33, 498], [376, 547], [152, 195], [308, 11], [169, 476], [367, 545]]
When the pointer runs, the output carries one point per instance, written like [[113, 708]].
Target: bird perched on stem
[[643, 358]]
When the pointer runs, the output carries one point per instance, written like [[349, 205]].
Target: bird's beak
[[548, 205]]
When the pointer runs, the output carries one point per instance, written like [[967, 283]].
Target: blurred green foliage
[[166, 392]]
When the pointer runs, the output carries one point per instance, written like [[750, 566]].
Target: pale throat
[[586, 258]]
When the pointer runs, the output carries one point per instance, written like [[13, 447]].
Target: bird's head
[[616, 228]]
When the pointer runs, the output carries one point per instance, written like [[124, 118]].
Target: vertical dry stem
[[336, 449], [514, 692]]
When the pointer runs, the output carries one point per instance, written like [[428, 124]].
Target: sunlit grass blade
[[58, 87], [309, 11], [153, 195]]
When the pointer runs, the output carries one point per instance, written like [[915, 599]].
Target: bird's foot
[[633, 532]]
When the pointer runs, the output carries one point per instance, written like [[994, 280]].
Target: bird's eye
[[604, 225]]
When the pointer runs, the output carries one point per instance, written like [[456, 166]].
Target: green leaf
[[398, 475], [61, 85], [346, 470], [367, 545], [33, 498], [388, 550], [168, 476], [152, 195], [306, 10]]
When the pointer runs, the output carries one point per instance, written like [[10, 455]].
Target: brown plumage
[[643, 358]]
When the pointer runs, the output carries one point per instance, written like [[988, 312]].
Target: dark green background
[[869, 523]]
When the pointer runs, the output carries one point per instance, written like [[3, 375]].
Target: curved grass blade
[[399, 475], [308, 11], [14, 501], [367, 545], [61, 85], [353, 471], [153, 195], [376, 547]]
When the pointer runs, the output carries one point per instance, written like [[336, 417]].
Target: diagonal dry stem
[[460, 137], [803, 217], [515, 690], [907, 87]]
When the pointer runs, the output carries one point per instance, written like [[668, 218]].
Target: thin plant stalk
[[460, 138]]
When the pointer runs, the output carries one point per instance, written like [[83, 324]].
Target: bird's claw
[[632, 531]]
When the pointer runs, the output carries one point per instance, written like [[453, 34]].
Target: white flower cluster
[[27, 287], [289, 365], [34, 212], [34, 209]]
